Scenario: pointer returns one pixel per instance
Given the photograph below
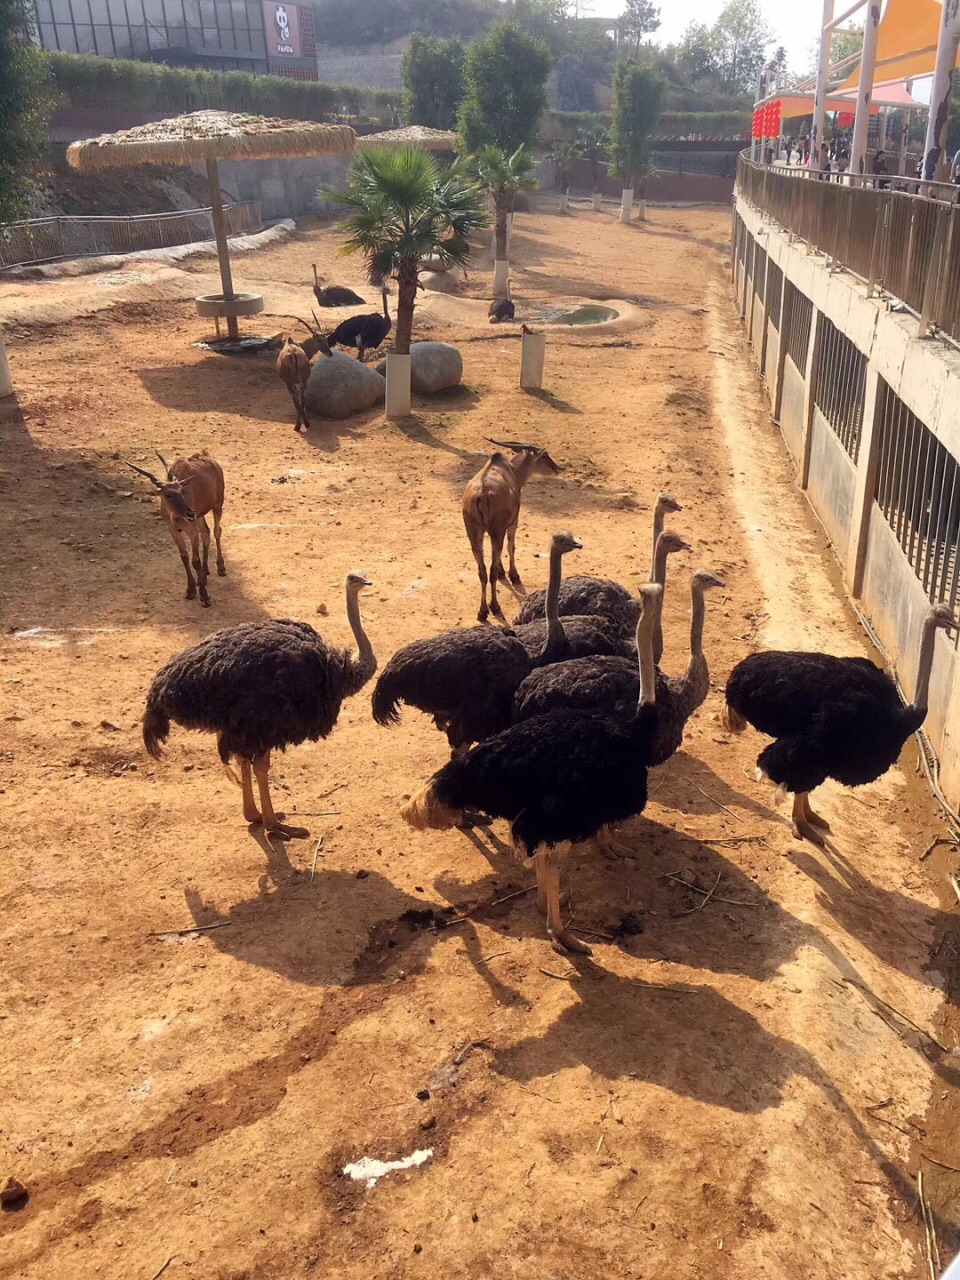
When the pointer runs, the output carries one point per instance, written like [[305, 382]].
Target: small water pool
[[587, 313]]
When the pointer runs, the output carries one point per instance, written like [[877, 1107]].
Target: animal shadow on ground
[[891, 925], [417, 430], [686, 783], [82, 550], [552, 401]]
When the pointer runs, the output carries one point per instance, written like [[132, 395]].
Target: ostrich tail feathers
[[156, 726], [425, 811], [731, 719]]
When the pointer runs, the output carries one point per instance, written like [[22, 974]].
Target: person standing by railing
[[881, 170]]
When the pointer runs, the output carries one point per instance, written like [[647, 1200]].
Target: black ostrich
[[260, 686], [502, 309], [366, 332], [334, 295], [612, 685], [838, 718], [582, 594], [559, 779], [466, 678]]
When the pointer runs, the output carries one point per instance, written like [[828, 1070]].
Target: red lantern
[[775, 119], [845, 119], [755, 128]]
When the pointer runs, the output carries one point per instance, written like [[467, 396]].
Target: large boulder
[[440, 282], [434, 366], [341, 385]]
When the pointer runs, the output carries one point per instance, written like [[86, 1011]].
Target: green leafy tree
[[432, 74], [405, 207], [564, 154], [697, 52], [741, 37], [594, 145], [640, 18], [505, 79], [26, 102], [637, 99], [502, 176]]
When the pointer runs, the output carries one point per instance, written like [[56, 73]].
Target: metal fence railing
[[43, 239], [901, 237], [840, 380]]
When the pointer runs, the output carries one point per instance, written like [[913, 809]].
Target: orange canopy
[[907, 42]]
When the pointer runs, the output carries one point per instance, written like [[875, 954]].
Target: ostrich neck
[[658, 519], [365, 660], [556, 636], [695, 684], [924, 667], [648, 675], [697, 613], [660, 577]]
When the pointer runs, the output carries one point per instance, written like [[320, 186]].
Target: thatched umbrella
[[211, 136], [414, 135]]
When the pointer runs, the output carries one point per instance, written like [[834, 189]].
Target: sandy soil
[[730, 1092]]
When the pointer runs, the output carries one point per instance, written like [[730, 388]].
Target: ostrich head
[[703, 579], [665, 503], [563, 542], [942, 617], [669, 542], [355, 581]]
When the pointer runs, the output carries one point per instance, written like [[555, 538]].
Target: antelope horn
[[319, 328], [140, 471], [166, 465], [515, 445]]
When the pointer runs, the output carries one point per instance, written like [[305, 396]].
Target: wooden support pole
[[223, 253]]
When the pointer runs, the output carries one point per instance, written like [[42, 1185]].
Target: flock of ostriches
[[553, 722]]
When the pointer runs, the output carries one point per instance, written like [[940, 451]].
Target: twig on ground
[[595, 933], [929, 1232], [316, 855], [942, 1163], [338, 787], [643, 1200], [465, 915], [320, 813], [171, 1173], [195, 928], [564, 977], [736, 816], [663, 986], [555, 1101], [526, 1176], [935, 844], [461, 1057], [157, 1274], [893, 1009], [731, 840], [708, 893], [600, 1143], [706, 897], [955, 884], [493, 956]]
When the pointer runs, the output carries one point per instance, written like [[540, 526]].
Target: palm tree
[[594, 145], [405, 207], [502, 176], [564, 154]]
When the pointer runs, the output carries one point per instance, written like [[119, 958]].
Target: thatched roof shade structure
[[210, 136], [414, 135]]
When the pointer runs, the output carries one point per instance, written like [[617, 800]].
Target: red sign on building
[[282, 22]]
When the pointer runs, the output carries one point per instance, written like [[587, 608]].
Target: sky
[[794, 25]]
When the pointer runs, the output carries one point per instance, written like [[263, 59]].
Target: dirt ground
[[735, 1085]]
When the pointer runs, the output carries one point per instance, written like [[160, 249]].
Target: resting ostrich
[[838, 718], [466, 678], [612, 685], [260, 686], [502, 308], [334, 295], [583, 595], [365, 332], [559, 779]]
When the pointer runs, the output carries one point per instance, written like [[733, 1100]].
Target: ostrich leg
[[803, 825], [250, 811], [610, 847], [562, 938], [271, 820], [815, 818]]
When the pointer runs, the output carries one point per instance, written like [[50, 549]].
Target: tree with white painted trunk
[[404, 208], [594, 146], [502, 176], [637, 98], [564, 154]]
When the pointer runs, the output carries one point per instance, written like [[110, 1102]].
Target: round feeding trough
[[221, 308]]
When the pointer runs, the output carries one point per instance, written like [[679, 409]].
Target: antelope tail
[[425, 811]]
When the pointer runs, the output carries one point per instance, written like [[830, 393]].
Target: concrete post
[[868, 66], [784, 329], [809, 397], [398, 386], [865, 486], [597, 201], [501, 277], [820, 97], [6, 382], [533, 347], [942, 90], [626, 204]]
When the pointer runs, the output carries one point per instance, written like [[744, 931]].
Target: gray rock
[[341, 385], [440, 282], [434, 366]]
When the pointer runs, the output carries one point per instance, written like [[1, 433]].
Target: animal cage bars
[[45, 239], [918, 492], [774, 296], [799, 311], [839, 385]]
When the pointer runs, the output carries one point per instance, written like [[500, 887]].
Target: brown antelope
[[193, 487], [491, 505], [293, 366]]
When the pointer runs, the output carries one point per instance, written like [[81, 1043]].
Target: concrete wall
[[925, 374], [285, 188]]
